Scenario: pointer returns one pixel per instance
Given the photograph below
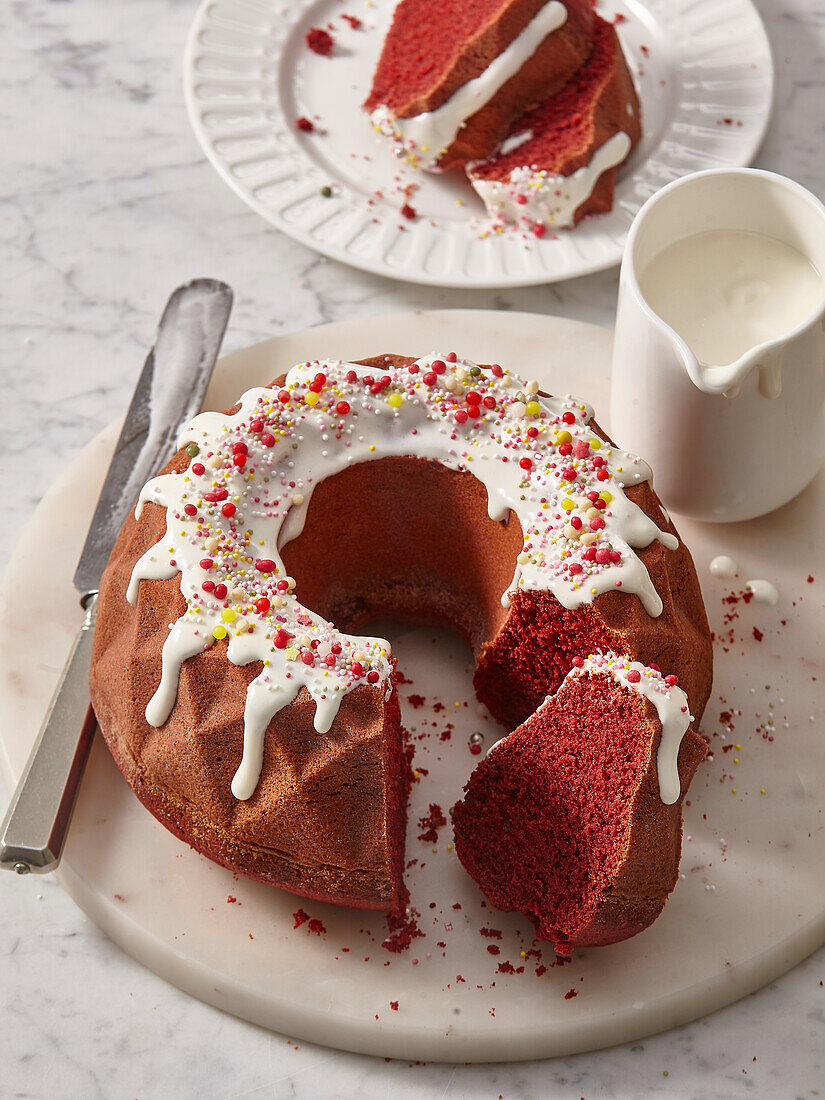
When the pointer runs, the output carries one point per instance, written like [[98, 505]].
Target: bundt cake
[[559, 161], [454, 75], [575, 817], [433, 490]]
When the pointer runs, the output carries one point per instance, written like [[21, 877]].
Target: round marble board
[[751, 901], [703, 70]]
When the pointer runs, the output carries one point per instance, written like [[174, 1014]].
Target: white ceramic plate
[[746, 911], [703, 68]]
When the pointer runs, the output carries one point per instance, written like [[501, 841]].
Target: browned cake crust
[[413, 539]]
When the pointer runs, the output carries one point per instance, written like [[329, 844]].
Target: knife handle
[[36, 822]]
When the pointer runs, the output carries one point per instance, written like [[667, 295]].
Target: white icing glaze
[[422, 138], [763, 591], [245, 494], [532, 196], [670, 702], [723, 566]]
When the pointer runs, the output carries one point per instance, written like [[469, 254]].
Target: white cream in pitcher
[[727, 291]]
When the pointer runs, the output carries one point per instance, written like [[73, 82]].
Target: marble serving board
[[751, 899]]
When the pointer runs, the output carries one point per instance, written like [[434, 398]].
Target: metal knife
[[169, 393]]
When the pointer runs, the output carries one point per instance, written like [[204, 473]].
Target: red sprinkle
[[439, 366], [569, 418], [634, 676], [256, 426], [342, 408], [267, 565], [526, 464], [268, 440], [373, 677], [578, 662], [671, 681], [228, 510], [220, 591], [206, 563], [262, 605], [198, 468], [190, 509]]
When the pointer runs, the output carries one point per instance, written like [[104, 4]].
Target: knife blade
[[169, 392]]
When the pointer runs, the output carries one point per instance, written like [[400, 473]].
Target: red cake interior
[[564, 126], [425, 41], [546, 821]]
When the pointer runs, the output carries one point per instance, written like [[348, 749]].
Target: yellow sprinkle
[[595, 444], [228, 615], [311, 398], [449, 847], [395, 400], [606, 497], [533, 408], [762, 790], [736, 759], [567, 504], [219, 632], [733, 790], [564, 437], [372, 446]]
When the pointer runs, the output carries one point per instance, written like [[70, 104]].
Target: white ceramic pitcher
[[732, 442]]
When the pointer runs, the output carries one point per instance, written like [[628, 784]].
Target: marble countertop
[[107, 203]]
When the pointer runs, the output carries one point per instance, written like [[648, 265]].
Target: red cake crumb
[[570, 993], [353, 21], [394, 1005], [300, 918], [409, 211], [317, 927], [320, 41], [758, 635], [431, 823], [491, 933], [493, 949], [619, 18], [304, 124], [403, 930], [231, 900], [416, 701], [810, 579]]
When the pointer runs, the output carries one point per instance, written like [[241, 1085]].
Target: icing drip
[[251, 476], [531, 196], [669, 700], [763, 591], [723, 566], [422, 138]]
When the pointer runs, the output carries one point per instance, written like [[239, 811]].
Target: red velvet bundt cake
[[433, 490], [559, 161], [454, 75], [575, 817]]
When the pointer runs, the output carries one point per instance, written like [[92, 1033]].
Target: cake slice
[[454, 74], [559, 161], [575, 817]]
